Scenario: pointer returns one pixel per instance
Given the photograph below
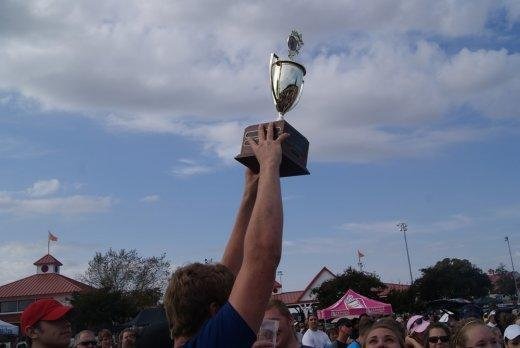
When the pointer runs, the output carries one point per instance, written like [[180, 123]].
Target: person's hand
[[268, 151], [411, 342], [263, 344]]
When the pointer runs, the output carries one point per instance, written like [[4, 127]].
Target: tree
[[125, 283], [101, 308], [402, 301], [127, 271], [363, 283], [452, 278], [505, 283]]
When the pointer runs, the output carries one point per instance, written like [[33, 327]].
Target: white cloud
[[150, 199], [72, 205], [378, 85], [188, 168], [43, 188], [18, 257]]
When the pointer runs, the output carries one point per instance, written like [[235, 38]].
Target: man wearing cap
[[344, 327], [512, 336], [46, 324]]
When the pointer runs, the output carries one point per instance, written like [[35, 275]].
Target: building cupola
[[47, 265]]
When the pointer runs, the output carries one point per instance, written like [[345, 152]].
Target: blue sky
[[119, 122]]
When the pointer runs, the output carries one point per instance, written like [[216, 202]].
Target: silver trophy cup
[[286, 78]]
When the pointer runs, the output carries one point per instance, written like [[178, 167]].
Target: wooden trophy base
[[294, 150]]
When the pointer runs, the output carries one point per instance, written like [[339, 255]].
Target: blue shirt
[[225, 329], [354, 344]]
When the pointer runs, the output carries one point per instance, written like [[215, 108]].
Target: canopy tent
[[353, 303], [7, 329]]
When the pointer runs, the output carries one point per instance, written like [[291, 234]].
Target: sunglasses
[[437, 339], [87, 343]]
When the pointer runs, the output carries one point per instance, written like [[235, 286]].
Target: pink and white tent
[[353, 303]]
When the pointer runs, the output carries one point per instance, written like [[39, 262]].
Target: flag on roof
[[52, 237]]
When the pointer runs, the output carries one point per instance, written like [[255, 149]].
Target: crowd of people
[[224, 304]]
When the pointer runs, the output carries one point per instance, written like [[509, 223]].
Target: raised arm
[[263, 239], [233, 254]]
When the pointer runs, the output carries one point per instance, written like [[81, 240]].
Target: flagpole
[[48, 245], [403, 227]]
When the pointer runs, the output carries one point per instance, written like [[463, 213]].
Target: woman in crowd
[[437, 335], [385, 333], [473, 333], [105, 339]]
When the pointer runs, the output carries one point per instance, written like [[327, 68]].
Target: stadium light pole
[[403, 228], [512, 266]]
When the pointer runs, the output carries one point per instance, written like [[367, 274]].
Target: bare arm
[[263, 239], [233, 254]]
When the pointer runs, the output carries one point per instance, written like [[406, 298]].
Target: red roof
[[46, 260], [394, 287], [289, 297], [42, 285]]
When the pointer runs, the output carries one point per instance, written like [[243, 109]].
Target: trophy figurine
[[286, 78]]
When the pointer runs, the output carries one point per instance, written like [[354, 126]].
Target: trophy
[[286, 78]]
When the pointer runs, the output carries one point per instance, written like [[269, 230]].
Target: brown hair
[[390, 324], [459, 338], [120, 337], [435, 326], [281, 307], [365, 324], [191, 291]]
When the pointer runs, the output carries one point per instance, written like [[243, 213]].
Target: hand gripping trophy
[[286, 87]]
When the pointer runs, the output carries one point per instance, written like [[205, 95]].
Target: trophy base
[[294, 150]]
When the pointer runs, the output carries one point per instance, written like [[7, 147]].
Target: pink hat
[[417, 323]]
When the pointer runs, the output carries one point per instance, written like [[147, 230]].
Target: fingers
[[251, 141], [281, 138], [270, 132], [261, 133]]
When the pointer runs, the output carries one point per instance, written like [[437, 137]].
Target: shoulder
[[224, 329]]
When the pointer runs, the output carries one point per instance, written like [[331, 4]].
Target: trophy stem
[[280, 117]]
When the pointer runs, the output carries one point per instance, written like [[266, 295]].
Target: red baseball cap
[[44, 309]]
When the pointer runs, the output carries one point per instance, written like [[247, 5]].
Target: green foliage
[[101, 308], [363, 283], [451, 278], [125, 283], [127, 271], [401, 301], [505, 283]]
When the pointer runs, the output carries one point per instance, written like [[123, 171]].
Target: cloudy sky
[[119, 121]]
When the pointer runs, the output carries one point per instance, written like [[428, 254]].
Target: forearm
[[263, 240], [233, 254]]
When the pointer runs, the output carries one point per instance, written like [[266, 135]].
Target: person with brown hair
[[285, 336], [384, 333], [232, 315], [365, 324], [472, 332], [105, 338], [437, 335], [127, 338]]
